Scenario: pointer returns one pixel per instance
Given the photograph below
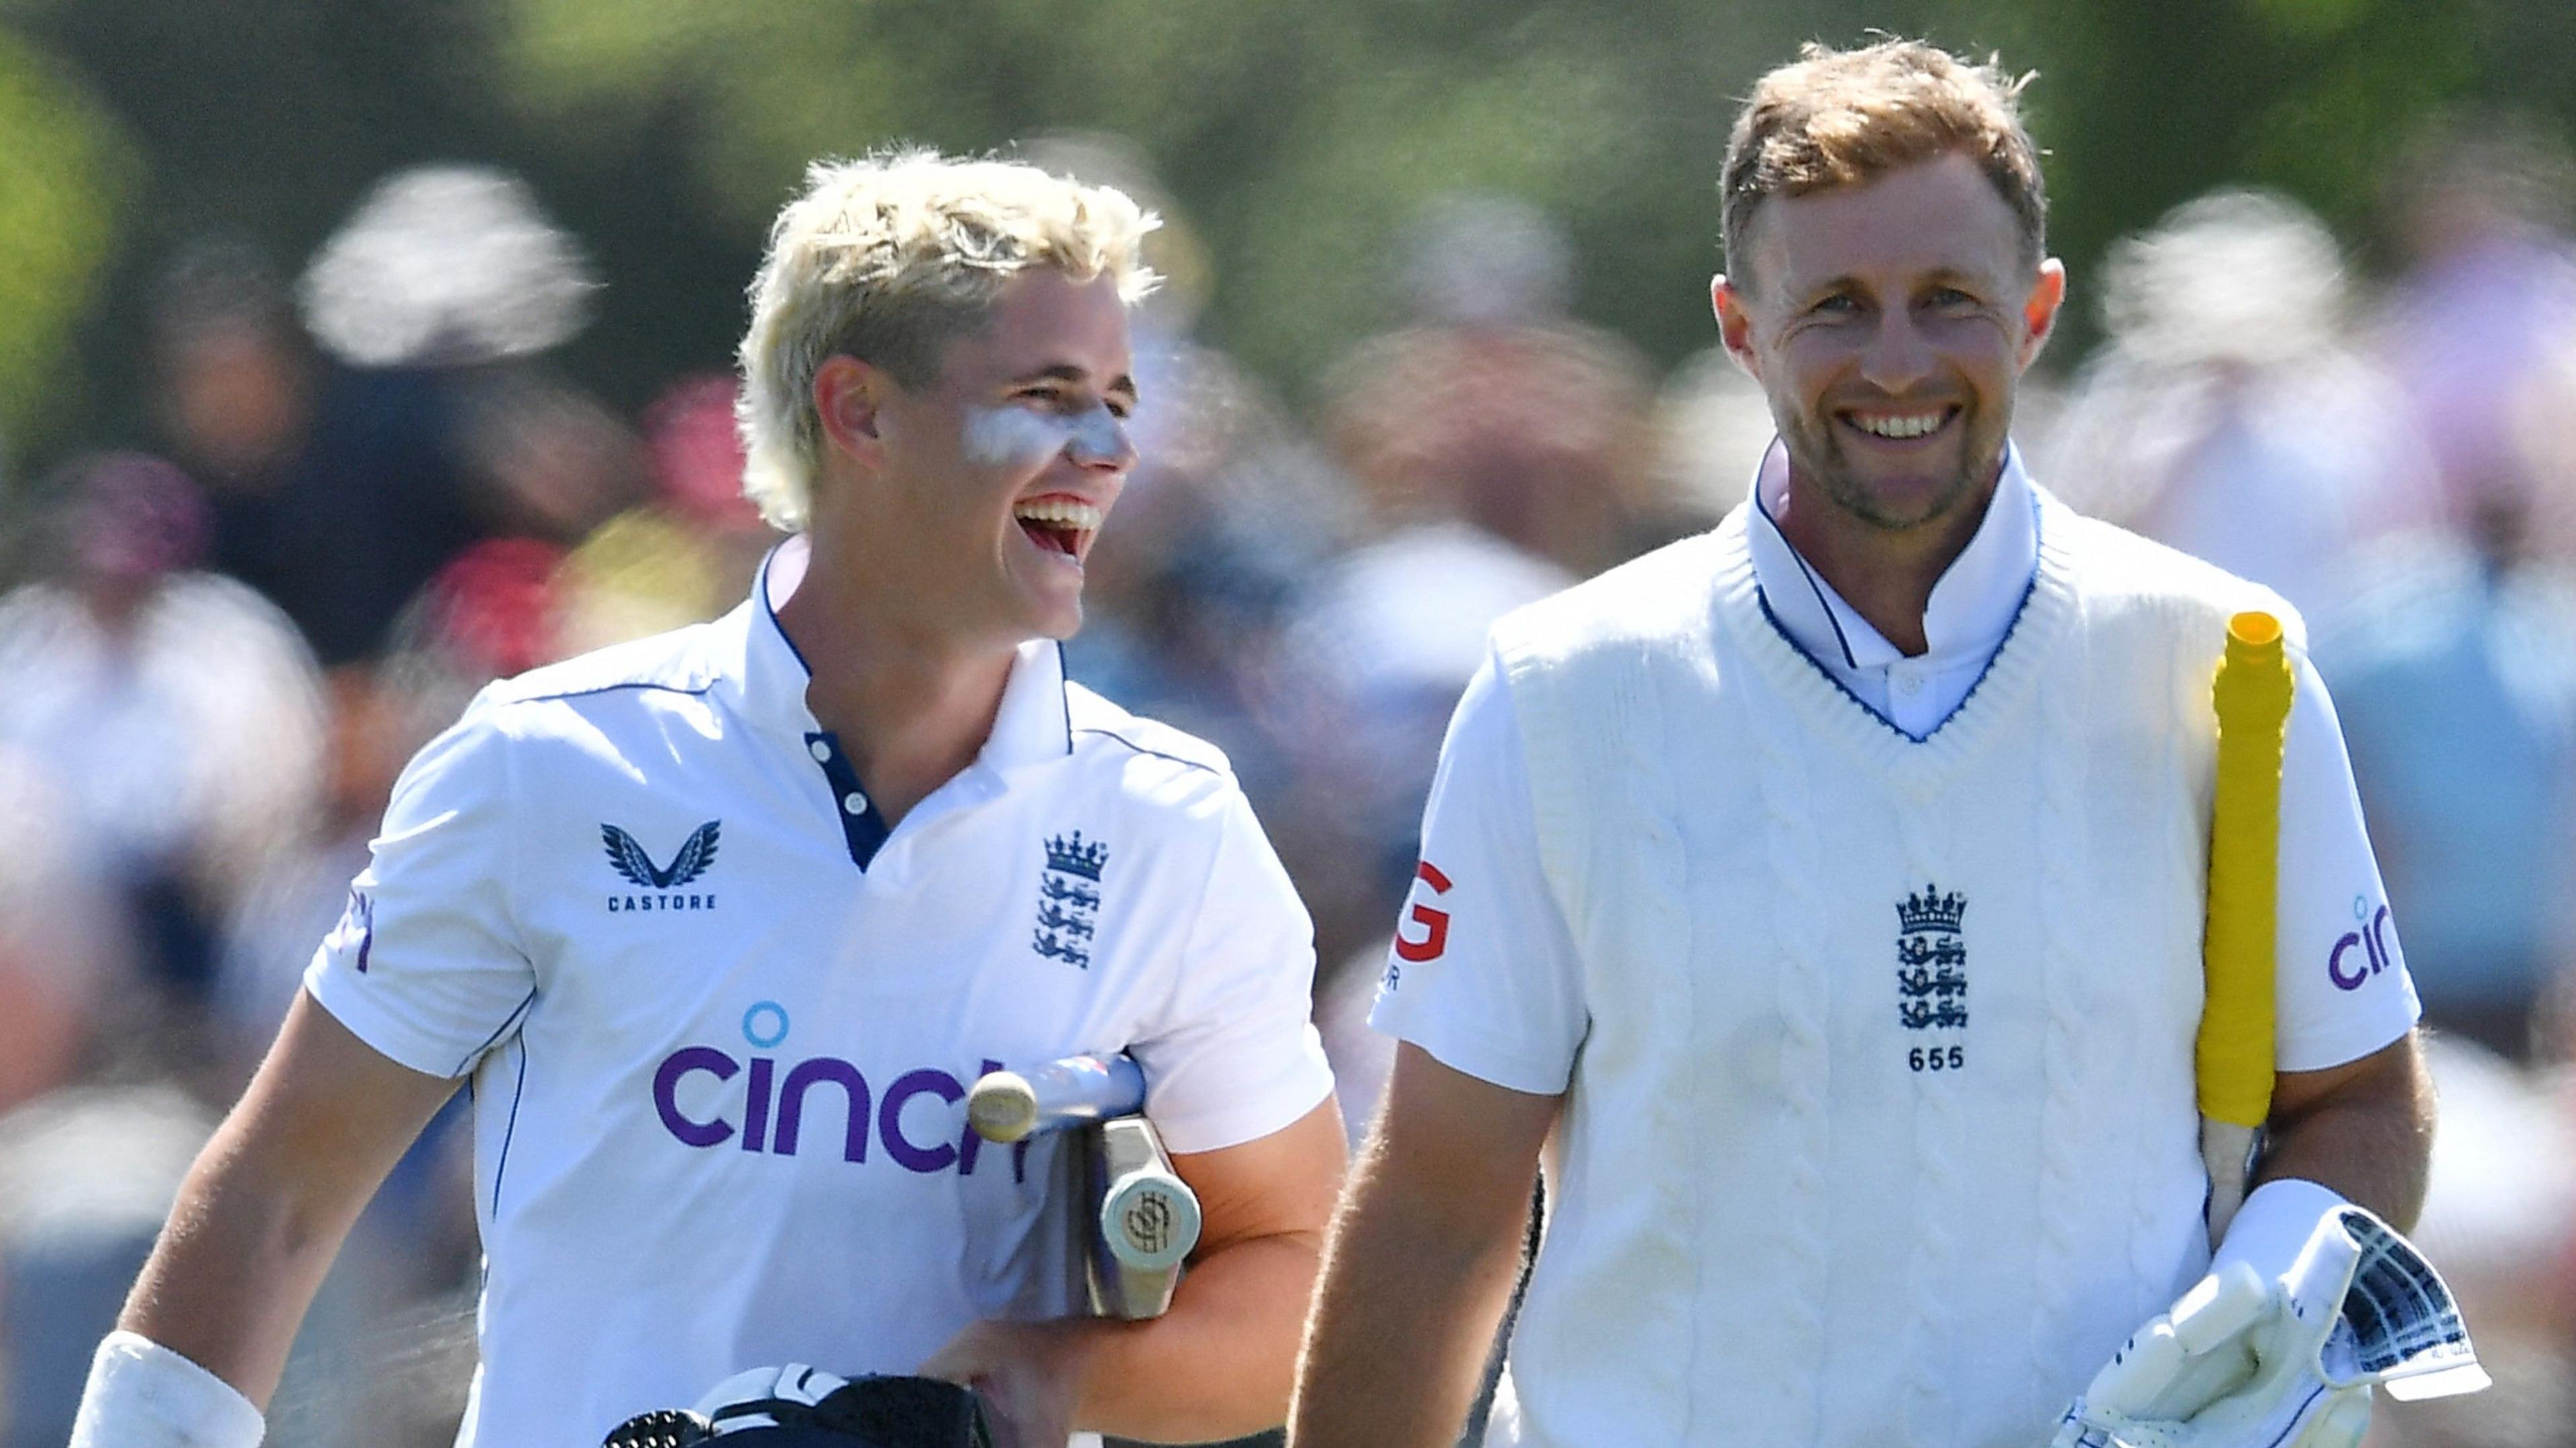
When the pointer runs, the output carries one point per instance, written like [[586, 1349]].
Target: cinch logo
[[767, 1113], [2374, 949], [631, 862]]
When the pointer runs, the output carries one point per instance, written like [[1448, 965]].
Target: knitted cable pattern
[[1740, 809], [2066, 890], [1932, 1287], [1599, 722], [1801, 981], [1660, 899], [2150, 1268]]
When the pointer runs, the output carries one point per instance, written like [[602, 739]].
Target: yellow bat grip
[[2233, 1054]]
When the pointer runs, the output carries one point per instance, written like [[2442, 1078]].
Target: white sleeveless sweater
[[1883, 1129]]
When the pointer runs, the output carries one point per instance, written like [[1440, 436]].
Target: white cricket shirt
[[1835, 1167], [1488, 972], [720, 1019]]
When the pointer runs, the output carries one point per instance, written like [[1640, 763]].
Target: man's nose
[[1100, 441], [1898, 356]]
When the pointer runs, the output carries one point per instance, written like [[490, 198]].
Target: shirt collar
[[1972, 605], [1033, 724]]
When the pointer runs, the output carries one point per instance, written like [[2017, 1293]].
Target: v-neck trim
[[2039, 623]]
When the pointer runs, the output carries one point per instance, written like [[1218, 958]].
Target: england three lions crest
[[1932, 961], [1069, 899]]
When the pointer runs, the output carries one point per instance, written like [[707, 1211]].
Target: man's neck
[[912, 706], [1887, 575]]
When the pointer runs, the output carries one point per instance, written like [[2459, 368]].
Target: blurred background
[[353, 354]]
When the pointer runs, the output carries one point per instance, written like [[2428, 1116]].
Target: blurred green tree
[[67, 173], [1300, 137], [1303, 134]]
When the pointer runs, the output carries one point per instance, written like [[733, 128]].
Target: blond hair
[[888, 259], [1847, 117]]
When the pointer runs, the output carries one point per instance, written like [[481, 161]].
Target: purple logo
[[767, 1113], [2374, 947], [357, 925]]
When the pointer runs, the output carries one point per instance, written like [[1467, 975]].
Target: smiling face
[[977, 496], [1889, 323]]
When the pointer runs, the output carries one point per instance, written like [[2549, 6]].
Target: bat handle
[[2225, 1149], [1145, 1224], [2232, 1053]]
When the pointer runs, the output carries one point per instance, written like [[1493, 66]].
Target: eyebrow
[[1941, 276], [1819, 290], [1067, 372]]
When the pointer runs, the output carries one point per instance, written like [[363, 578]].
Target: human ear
[[847, 396], [2039, 311], [1734, 323]]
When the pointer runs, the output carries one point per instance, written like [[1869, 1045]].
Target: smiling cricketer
[[1819, 903]]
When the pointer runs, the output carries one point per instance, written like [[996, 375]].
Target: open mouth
[[1900, 426], [1059, 525]]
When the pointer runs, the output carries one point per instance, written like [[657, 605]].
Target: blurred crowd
[[369, 491]]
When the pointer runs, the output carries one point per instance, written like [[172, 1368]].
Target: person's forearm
[[1405, 1319], [1217, 1365], [264, 1209], [235, 1269]]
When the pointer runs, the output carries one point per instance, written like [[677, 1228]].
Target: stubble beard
[[1816, 455]]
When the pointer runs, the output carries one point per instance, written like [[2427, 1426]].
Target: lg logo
[[2348, 974], [767, 1114]]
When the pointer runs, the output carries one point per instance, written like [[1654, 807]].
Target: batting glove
[[2265, 1355]]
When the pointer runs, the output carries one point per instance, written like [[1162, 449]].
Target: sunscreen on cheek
[[1011, 436], [1018, 437]]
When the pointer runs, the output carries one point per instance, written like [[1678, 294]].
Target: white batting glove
[[2312, 1301]]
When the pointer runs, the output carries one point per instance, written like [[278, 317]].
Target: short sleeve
[[1236, 1057], [1483, 972], [2342, 989], [425, 964]]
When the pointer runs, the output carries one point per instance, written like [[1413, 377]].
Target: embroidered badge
[[1069, 899], [1932, 974]]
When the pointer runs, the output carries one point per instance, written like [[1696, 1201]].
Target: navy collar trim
[[2021, 610]]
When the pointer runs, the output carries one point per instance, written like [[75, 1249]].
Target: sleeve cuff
[[1477, 1056], [1300, 1084], [396, 1040], [2323, 1051]]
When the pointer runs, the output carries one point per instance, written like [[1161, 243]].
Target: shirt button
[[1909, 683], [855, 802], [822, 752]]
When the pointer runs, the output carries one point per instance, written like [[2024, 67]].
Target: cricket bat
[[1137, 1219]]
